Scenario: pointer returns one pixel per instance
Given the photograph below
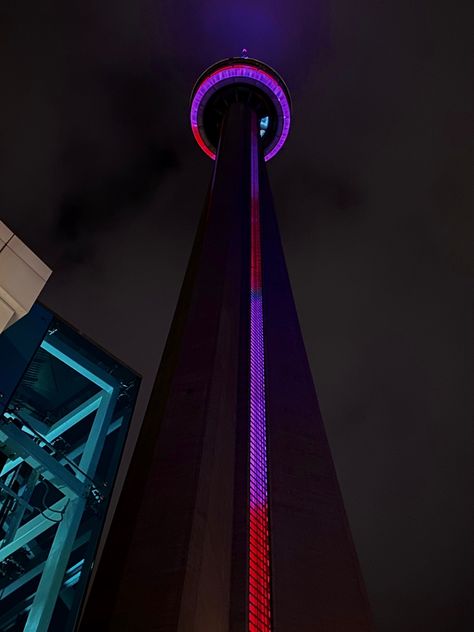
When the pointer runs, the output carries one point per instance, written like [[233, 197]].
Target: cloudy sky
[[99, 173]]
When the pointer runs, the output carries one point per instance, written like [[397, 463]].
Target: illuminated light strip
[[249, 72], [259, 614]]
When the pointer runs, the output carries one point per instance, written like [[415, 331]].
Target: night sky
[[100, 175]]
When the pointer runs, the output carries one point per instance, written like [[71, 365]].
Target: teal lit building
[[65, 409]]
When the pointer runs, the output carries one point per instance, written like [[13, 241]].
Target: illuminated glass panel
[[259, 543], [264, 122]]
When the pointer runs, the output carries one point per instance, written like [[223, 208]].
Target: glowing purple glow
[[248, 74], [259, 541]]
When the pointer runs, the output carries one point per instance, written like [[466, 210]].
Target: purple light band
[[250, 74], [259, 588]]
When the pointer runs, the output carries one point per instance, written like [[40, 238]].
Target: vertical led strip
[[259, 541], [243, 73]]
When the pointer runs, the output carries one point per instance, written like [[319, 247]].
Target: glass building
[[65, 409]]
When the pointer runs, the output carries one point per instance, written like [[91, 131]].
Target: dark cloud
[[100, 174], [85, 214]]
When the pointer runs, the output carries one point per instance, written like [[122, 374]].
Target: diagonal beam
[[75, 416], [80, 448], [36, 570], [16, 518], [38, 458], [32, 529], [51, 580], [61, 350]]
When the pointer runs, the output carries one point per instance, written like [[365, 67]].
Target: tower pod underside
[[247, 81]]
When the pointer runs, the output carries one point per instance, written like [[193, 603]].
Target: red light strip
[[259, 541]]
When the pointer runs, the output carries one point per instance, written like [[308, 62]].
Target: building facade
[[22, 277], [231, 517]]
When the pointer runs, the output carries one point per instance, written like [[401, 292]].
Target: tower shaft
[[231, 517]]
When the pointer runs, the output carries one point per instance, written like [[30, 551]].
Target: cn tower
[[231, 517]]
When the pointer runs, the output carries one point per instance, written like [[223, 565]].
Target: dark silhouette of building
[[231, 517]]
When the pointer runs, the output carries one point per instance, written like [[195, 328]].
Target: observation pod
[[240, 80]]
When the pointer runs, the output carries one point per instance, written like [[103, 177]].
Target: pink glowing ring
[[241, 72]]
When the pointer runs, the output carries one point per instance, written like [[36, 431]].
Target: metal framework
[[71, 474]]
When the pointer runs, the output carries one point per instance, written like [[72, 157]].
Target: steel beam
[[51, 580], [40, 459], [75, 416], [36, 570], [32, 529], [61, 350]]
